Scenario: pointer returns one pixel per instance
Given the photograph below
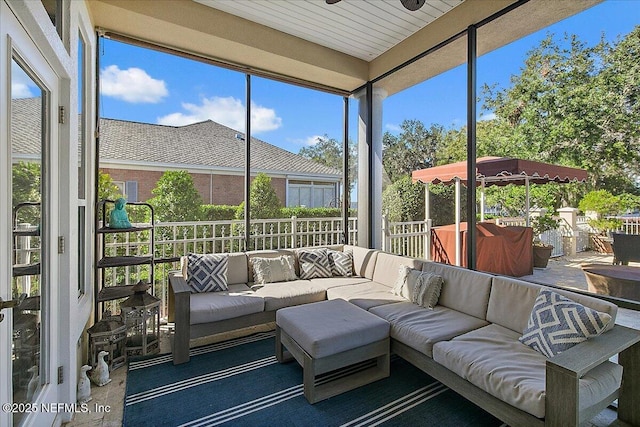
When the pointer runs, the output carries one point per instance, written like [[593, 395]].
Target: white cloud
[[312, 140], [133, 85], [392, 128], [487, 117], [228, 111], [21, 83]]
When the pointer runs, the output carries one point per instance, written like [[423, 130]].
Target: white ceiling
[[364, 29]]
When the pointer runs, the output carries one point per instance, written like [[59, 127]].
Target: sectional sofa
[[469, 341]]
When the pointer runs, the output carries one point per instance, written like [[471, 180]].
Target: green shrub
[[218, 212]]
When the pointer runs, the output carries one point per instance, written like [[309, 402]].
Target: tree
[[26, 181], [576, 105], [106, 188], [414, 148], [176, 198], [403, 200], [264, 202], [329, 152]]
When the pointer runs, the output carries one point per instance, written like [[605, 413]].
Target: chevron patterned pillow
[[207, 272], [314, 263], [341, 262], [557, 323]]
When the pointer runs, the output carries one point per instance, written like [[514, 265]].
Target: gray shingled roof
[[207, 143]]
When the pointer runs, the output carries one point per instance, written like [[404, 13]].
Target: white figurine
[[33, 382], [100, 375], [84, 385]]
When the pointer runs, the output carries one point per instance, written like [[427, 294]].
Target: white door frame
[[15, 38]]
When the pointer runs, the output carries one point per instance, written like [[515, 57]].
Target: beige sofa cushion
[[237, 269], [494, 360], [330, 327], [463, 290], [364, 261], [364, 295], [215, 306], [511, 302], [285, 294], [420, 328], [388, 267], [333, 282]]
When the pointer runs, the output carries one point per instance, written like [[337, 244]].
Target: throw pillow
[[270, 270], [341, 262], [207, 272], [557, 323], [314, 263], [406, 282], [428, 289]]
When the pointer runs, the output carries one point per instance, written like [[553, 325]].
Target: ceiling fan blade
[[412, 5], [331, 1]]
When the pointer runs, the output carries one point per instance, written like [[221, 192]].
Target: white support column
[[527, 206], [570, 216], [427, 221], [458, 246], [482, 200], [373, 186]]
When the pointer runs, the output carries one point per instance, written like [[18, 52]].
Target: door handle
[[10, 304]]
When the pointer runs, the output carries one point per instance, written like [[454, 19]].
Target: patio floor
[[563, 271]]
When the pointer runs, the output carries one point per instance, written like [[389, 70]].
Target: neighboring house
[[136, 154]]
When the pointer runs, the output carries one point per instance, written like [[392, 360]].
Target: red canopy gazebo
[[495, 171]]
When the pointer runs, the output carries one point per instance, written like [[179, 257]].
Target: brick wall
[[227, 189]]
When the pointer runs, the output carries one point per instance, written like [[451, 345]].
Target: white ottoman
[[329, 335]]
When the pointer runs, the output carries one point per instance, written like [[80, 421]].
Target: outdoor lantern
[[108, 335], [141, 314]]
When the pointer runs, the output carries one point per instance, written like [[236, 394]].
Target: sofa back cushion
[[463, 290], [511, 302], [275, 253], [364, 261], [387, 267], [236, 268]]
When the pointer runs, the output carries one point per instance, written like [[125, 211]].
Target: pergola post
[[482, 200], [526, 203], [458, 248], [427, 223]]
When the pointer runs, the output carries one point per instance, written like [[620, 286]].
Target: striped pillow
[[314, 263], [207, 272], [341, 262]]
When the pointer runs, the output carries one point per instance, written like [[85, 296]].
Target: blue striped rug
[[240, 383]]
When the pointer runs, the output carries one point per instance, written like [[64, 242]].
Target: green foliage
[[106, 188], [26, 180], [542, 224], [403, 200], [176, 198], [601, 202], [443, 204], [414, 148], [329, 152], [604, 225], [574, 105], [512, 198], [263, 199], [217, 212], [302, 212]]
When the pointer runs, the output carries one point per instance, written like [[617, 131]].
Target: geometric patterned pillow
[[557, 323], [207, 272], [341, 262], [314, 263]]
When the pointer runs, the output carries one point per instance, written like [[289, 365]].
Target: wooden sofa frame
[[563, 372]]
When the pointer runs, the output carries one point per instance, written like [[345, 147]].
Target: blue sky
[[147, 86]]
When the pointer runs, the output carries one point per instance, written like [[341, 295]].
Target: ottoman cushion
[[326, 328]]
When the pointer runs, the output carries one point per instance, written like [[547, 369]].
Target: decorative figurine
[[100, 375], [33, 382], [118, 217], [84, 385]]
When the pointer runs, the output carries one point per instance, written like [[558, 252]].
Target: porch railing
[[411, 238]]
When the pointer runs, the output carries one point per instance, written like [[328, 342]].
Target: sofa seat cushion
[[332, 282], [420, 328], [494, 360], [330, 327], [365, 295], [286, 294], [215, 306]]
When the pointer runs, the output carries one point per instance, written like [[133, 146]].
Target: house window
[[311, 194], [128, 189]]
